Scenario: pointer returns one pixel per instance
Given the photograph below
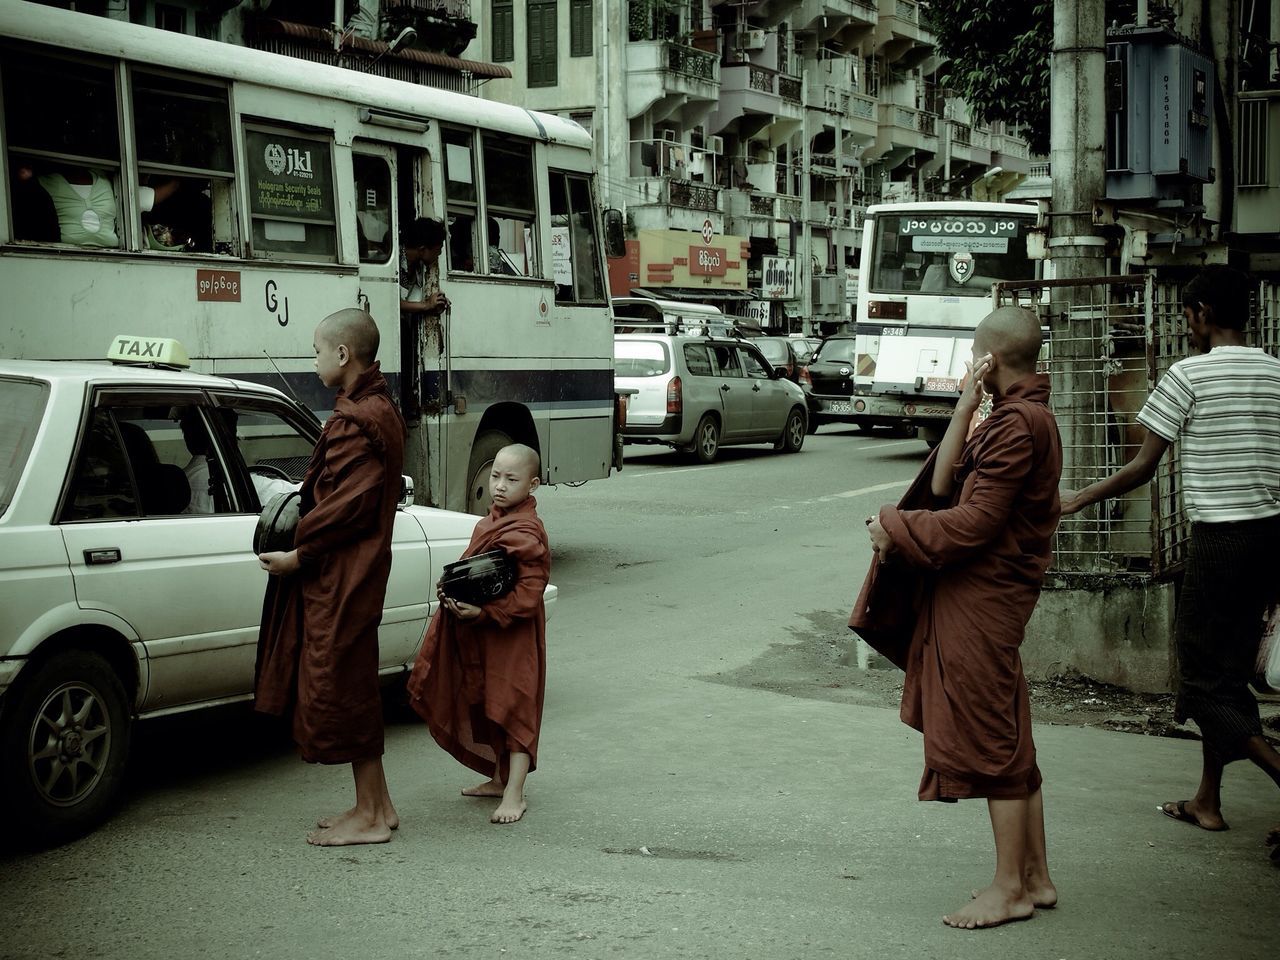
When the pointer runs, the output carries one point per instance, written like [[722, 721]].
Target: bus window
[[460, 197], [183, 131], [509, 204], [61, 129], [949, 254], [290, 185], [575, 247], [373, 207]]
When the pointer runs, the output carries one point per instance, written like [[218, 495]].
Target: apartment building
[[744, 139]]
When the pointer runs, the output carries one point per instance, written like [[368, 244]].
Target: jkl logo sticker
[[289, 161]]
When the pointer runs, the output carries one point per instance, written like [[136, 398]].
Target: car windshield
[[21, 411], [805, 349], [840, 350], [640, 358]]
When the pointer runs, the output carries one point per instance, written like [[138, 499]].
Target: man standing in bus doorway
[[420, 247], [318, 643]]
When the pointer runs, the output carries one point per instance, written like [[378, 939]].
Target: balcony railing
[[906, 10], [789, 88], [860, 106], [669, 158], [761, 79], [450, 8], [961, 133], [693, 196], [693, 63]]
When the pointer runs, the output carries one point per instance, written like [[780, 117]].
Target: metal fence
[[1110, 340]]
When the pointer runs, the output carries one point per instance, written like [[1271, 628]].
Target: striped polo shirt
[[1224, 406]]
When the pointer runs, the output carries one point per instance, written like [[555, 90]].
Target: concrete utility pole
[[1077, 153]]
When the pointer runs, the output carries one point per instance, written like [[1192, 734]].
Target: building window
[[580, 22], [503, 18], [542, 43]]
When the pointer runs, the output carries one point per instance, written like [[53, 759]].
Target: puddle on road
[[672, 853], [822, 660]]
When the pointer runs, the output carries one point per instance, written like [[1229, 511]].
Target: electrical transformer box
[[1159, 96]]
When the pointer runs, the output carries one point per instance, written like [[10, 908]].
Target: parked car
[[697, 393], [128, 586], [830, 372]]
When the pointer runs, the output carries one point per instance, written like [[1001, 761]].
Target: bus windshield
[[949, 254]]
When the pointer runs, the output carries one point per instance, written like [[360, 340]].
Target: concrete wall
[[1114, 628]]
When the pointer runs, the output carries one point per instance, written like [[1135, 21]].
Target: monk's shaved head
[[1013, 335], [525, 456], [353, 328]]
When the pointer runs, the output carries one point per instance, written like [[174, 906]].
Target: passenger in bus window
[[420, 247], [84, 201], [499, 262], [34, 217]]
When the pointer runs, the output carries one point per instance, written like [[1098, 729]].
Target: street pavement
[[671, 816]]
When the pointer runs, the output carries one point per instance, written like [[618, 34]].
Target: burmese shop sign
[[777, 278]]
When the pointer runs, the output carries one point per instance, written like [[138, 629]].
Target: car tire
[[706, 439], [793, 433], [483, 450], [64, 741]]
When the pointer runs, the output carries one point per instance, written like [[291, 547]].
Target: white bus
[[926, 276], [171, 186]]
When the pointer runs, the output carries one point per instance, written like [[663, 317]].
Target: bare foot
[[490, 788], [388, 814], [990, 908], [350, 831], [1040, 889], [509, 811]]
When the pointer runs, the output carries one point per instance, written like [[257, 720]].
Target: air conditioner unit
[[715, 145], [751, 40]]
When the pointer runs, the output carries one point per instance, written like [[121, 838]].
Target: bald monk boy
[[318, 643], [980, 552], [479, 680]]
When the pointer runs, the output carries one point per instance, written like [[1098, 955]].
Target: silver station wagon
[[698, 392]]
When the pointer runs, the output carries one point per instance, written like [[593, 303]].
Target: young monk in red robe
[[479, 680], [980, 554], [318, 643]]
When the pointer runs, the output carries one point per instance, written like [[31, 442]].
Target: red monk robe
[[318, 643], [479, 683], [979, 563]]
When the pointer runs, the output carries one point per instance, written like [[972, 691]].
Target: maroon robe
[[318, 643], [978, 564], [479, 684]]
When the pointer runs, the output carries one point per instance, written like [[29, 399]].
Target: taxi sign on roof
[[148, 352]]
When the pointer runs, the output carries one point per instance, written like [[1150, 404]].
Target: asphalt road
[[704, 790]]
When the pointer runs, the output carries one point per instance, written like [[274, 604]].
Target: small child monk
[[318, 643], [978, 551], [479, 680]]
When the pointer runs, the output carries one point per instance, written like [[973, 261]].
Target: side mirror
[[615, 242], [406, 492], [777, 373]]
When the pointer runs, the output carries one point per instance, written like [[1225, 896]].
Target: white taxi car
[[128, 586]]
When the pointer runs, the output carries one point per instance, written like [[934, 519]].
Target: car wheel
[[793, 433], [64, 740], [706, 439], [483, 450]]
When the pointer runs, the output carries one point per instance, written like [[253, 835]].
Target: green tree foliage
[[998, 53]]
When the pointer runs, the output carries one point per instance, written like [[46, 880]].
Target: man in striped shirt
[[1223, 406]]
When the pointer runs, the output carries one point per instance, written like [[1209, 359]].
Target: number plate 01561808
[[942, 384]]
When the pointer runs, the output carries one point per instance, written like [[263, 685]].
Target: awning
[[692, 293], [324, 37]]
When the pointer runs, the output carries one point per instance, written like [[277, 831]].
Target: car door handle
[[102, 555], [724, 387], [755, 388]]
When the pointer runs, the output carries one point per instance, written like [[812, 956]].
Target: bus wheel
[[483, 450], [63, 746]]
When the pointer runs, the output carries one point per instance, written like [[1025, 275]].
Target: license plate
[[838, 406], [942, 384]]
